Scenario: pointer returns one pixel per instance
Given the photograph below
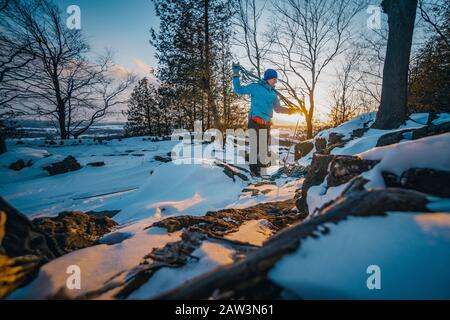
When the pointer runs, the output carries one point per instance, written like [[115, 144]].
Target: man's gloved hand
[[236, 70], [292, 111]]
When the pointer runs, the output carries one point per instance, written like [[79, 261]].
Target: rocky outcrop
[[96, 164], [197, 229], [344, 168], [335, 138], [228, 281], [233, 171], [427, 131], [429, 181], [73, 230], [20, 164], [222, 222], [392, 138], [164, 158], [23, 249], [302, 149], [16, 272], [358, 133], [317, 172], [320, 144], [22, 238], [172, 255], [67, 165]]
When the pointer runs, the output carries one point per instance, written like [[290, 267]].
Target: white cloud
[[142, 67]]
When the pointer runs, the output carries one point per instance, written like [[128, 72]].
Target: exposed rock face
[[315, 176], [392, 138], [96, 164], [22, 238], [292, 171], [335, 138], [429, 181], [222, 222], [430, 130], [321, 144], [172, 255], [250, 272], [16, 272], [20, 164], [22, 249], [73, 230], [197, 229], [233, 171], [358, 133], [163, 158], [67, 165], [302, 149], [344, 168]]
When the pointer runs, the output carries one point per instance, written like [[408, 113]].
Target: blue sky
[[123, 25]]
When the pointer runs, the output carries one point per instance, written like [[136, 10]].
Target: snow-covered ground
[[146, 191], [410, 251], [143, 189]]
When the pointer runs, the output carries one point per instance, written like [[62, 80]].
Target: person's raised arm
[[238, 88]]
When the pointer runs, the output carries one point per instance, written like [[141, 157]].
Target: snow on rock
[[431, 152], [98, 264], [174, 189], [411, 251], [254, 232], [210, 254], [267, 193]]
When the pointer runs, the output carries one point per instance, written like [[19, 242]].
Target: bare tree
[[14, 56], [393, 106], [62, 84], [344, 95], [307, 37], [436, 14], [249, 35]]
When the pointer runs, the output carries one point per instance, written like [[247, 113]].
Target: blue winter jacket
[[264, 99]]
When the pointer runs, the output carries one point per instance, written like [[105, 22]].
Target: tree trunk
[[212, 108], [2, 143], [393, 107], [309, 117]]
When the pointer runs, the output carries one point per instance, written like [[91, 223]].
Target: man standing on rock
[[264, 101]]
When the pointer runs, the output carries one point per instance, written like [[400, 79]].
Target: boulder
[[344, 168], [16, 272], [392, 137], [431, 130], [20, 164], [358, 133], [317, 172], [21, 237], [233, 171], [23, 249], [302, 149], [73, 230], [335, 138], [67, 165], [163, 158], [427, 131], [429, 181], [321, 144], [96, 164]]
